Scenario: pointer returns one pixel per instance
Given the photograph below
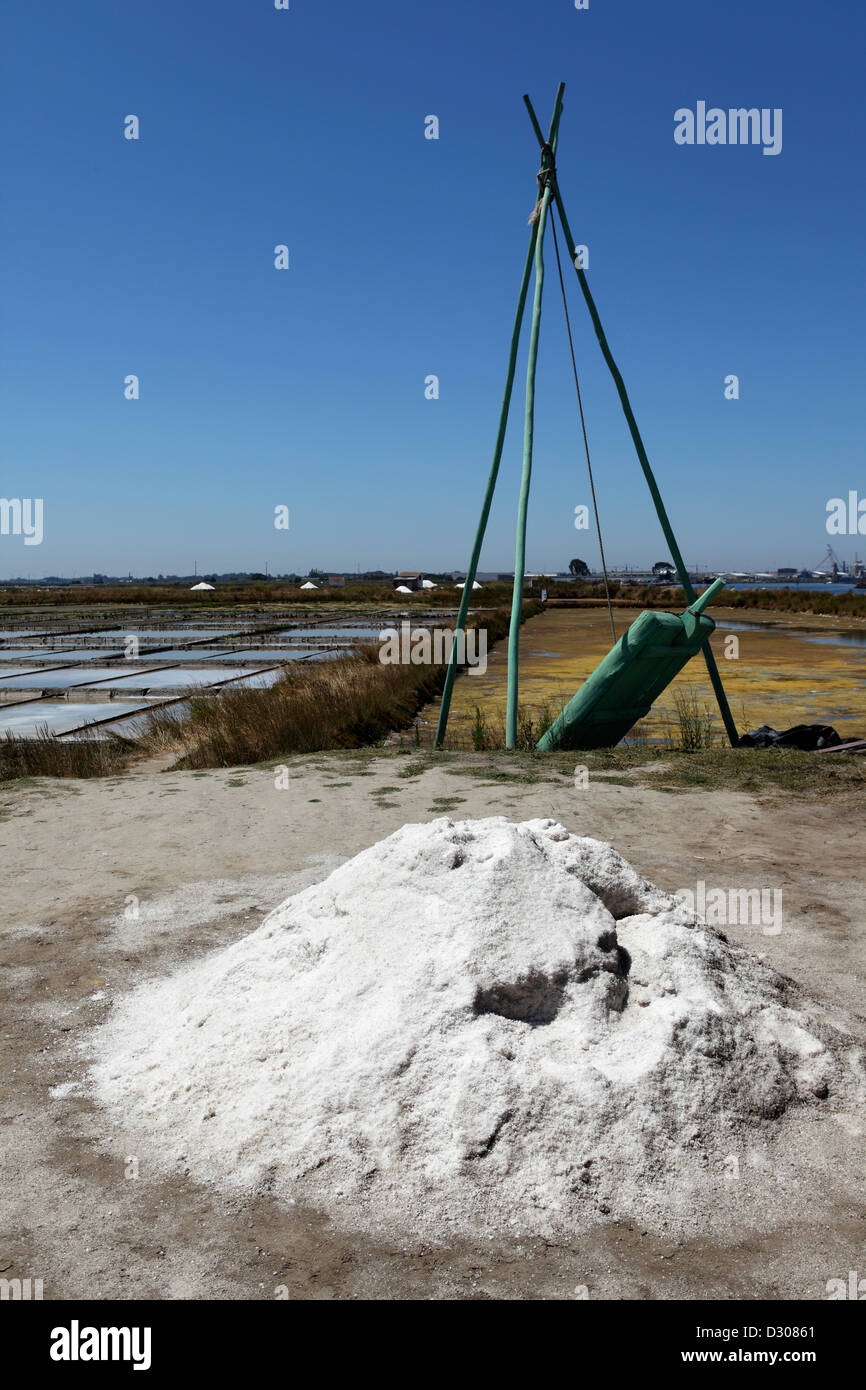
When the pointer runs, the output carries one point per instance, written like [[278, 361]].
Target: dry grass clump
[[695, 727], [327, 704], [46, 755]]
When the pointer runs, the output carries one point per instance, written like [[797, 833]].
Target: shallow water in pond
[[24, 721]]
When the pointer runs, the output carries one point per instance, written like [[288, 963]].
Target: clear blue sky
[[306, 387]]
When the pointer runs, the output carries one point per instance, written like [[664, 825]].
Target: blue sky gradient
[[305, 387]]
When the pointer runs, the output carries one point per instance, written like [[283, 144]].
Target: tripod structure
[[549, 193]]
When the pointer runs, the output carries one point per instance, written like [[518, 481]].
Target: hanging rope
[[583, 428]]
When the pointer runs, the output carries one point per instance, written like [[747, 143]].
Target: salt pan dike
[[483, 1026]]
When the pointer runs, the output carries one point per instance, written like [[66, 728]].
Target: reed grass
[[810, 602], [532, 724], [46, 755], [695, 727], [347, 703]]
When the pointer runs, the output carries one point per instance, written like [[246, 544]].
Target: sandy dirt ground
[[106, 882]]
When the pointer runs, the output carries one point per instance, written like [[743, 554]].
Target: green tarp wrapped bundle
[[631, 677]]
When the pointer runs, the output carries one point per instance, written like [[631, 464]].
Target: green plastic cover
[[624, 687]]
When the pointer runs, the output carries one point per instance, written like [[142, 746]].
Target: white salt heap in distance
[[469, 1024]]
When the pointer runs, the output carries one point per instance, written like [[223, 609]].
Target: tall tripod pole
[[466, 596], [545, 188], [685, 581]]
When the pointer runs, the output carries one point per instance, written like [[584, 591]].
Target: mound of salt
[[469, 1023]]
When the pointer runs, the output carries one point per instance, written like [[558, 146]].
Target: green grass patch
[[755, 771], [497, 774], [418, 766]]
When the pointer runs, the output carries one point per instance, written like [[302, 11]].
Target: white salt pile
[[470, 1024]]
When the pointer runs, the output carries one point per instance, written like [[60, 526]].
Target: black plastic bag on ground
[[808, 737]]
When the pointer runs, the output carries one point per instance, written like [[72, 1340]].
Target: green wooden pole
[[466, 596], [685, 581], [547, 159]]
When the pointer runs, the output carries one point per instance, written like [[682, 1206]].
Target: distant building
[[336, 581], [786, 572], [409, 579]]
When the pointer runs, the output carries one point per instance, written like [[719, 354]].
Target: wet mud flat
[[778, 669]]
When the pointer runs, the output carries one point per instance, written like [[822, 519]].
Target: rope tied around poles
[[546, 175]]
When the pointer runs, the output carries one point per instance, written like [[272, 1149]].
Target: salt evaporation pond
[[274, 653], [166, 634], [176, 678], [181, 654], [59, 636], [260, 678], [58, 655], [60, 680], [358, 633], [25, 721]]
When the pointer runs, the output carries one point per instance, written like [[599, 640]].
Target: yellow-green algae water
[[787, 670]]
